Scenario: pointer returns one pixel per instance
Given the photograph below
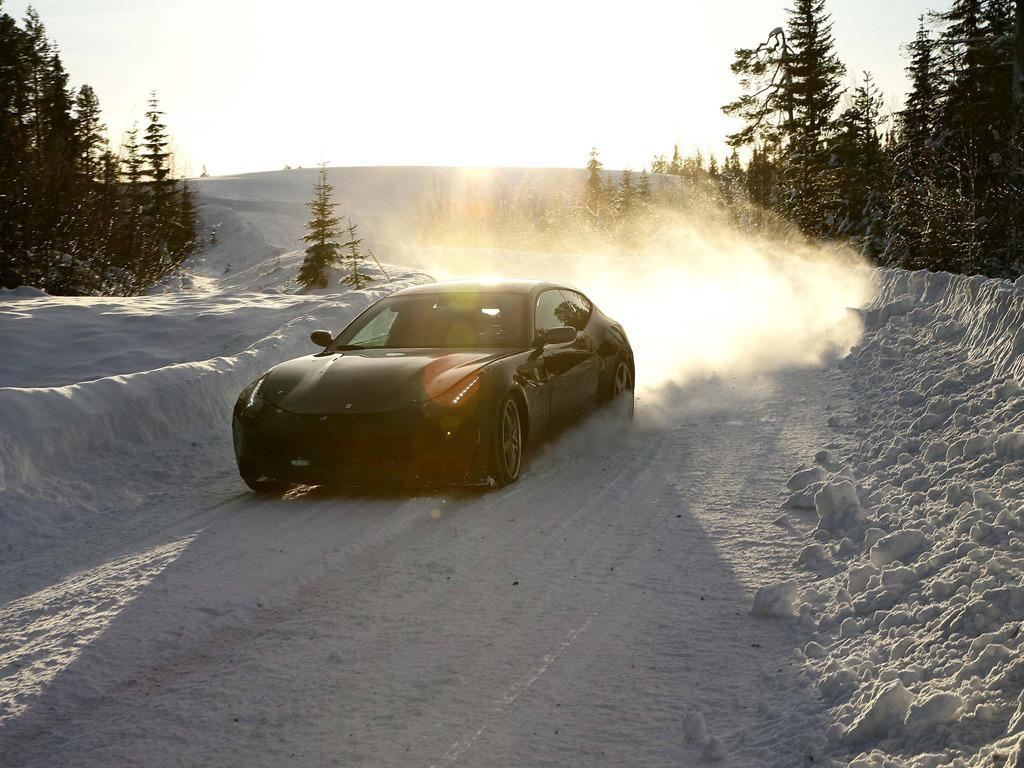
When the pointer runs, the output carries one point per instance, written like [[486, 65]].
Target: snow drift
[[917, 605]]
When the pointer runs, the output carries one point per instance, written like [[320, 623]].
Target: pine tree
[[791, 86], [595, 191], [625, 196], [92, 143], [14, 143], [184, 235], [322, 231], [353, 260], [157, 167], [766, 104], [861, 170], [644, 186], [814, 74], [675, 165], [731, 181], [68, 222], [910, 241], [916, 123]]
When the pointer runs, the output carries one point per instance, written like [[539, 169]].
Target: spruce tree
[[68, 222], [91, 142], [910, 221], [675, 165], [353, 260], [791, 86], [814, 75], [625, 196], [644, 186], [595, 192], [861, 170], [157, 166], [322, 231]]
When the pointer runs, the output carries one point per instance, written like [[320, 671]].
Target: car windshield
[[464, 320]]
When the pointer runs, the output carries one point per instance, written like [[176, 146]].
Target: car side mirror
[[561, 335], [321, 338]]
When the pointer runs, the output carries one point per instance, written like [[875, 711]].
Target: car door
[[571, 368]]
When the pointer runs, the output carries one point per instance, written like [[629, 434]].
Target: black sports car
[[450, 382]]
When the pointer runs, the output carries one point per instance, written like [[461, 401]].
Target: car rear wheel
[[622, 387], [508, 442]]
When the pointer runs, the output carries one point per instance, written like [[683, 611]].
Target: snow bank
[[916, 622], [116, 378]]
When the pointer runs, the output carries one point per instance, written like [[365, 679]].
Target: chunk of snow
[[838, 506], [902, 545], [812, 556], [775, 600], [805, 477], [1009, 446], [883, 717], [933, 710]]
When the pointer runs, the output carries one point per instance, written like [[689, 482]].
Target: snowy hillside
[[806, 551], [258, 215]]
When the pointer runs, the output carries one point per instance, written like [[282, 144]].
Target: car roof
[[501, 285]]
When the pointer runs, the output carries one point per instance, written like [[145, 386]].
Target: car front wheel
[[508, 442]]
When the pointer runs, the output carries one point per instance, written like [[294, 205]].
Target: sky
[[257, 84]]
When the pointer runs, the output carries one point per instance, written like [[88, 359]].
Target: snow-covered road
[[581, 617], [598, 612]]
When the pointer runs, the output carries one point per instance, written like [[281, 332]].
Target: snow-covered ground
[[656, 597], [915, 612]]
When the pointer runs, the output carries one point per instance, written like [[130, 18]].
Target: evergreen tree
[[353, 260], [14, 143], [322, 231], [625, 196], [766, 104], [861, 170], [675, 165], [157, 166], [910, 240], [595, 191], [68, 222], [814, 76], [89, 123], [791, 85], [644, 186], [184, 235], [916, 123]]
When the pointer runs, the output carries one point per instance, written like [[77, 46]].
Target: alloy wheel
[[511, 439]]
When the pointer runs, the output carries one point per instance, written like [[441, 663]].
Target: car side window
[[561, 307], [376, 332], [574, 310], [547, 311]]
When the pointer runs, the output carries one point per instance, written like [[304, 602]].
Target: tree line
[[76, 217], [939, 184]]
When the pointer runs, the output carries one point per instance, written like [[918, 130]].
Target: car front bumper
[[411, 446]]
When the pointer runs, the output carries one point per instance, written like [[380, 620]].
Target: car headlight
[[454, 404], [462, 392]]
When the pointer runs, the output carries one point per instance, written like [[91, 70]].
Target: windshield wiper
[[347, 347]]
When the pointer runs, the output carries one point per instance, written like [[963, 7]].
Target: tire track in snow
[[513, 692]]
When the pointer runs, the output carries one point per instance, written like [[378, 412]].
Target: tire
[[508, 441], [622, 386]]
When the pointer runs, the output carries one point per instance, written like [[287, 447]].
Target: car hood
[[370, 380]]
